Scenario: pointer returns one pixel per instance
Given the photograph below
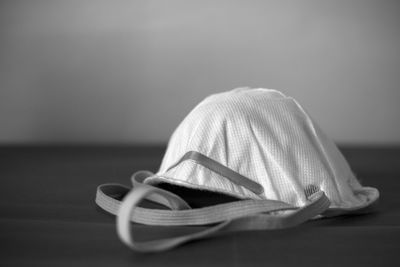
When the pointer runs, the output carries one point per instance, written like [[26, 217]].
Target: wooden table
[[49, 218]]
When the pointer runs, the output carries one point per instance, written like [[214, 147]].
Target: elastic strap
[[124, 219], [222, 170], [233, 216]]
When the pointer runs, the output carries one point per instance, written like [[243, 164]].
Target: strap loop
[[125, 213], [233, 216]]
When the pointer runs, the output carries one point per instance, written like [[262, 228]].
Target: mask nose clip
[[310, 190]]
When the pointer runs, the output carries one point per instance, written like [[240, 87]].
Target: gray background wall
[[129, 71]]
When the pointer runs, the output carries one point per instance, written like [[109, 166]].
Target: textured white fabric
[[267, 137]]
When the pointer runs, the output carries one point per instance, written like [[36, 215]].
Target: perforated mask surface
[[268, 138]]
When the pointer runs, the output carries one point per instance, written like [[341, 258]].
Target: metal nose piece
[[311, 189]]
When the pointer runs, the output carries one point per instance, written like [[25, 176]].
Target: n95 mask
[[257, 146]]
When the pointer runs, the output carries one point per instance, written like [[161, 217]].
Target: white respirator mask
[[259, 160]]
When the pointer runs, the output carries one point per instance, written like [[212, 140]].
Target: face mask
[[257, 146]]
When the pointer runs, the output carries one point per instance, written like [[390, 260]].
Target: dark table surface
[[48, 216]]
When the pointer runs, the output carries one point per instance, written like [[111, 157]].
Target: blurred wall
[[129, 71]]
